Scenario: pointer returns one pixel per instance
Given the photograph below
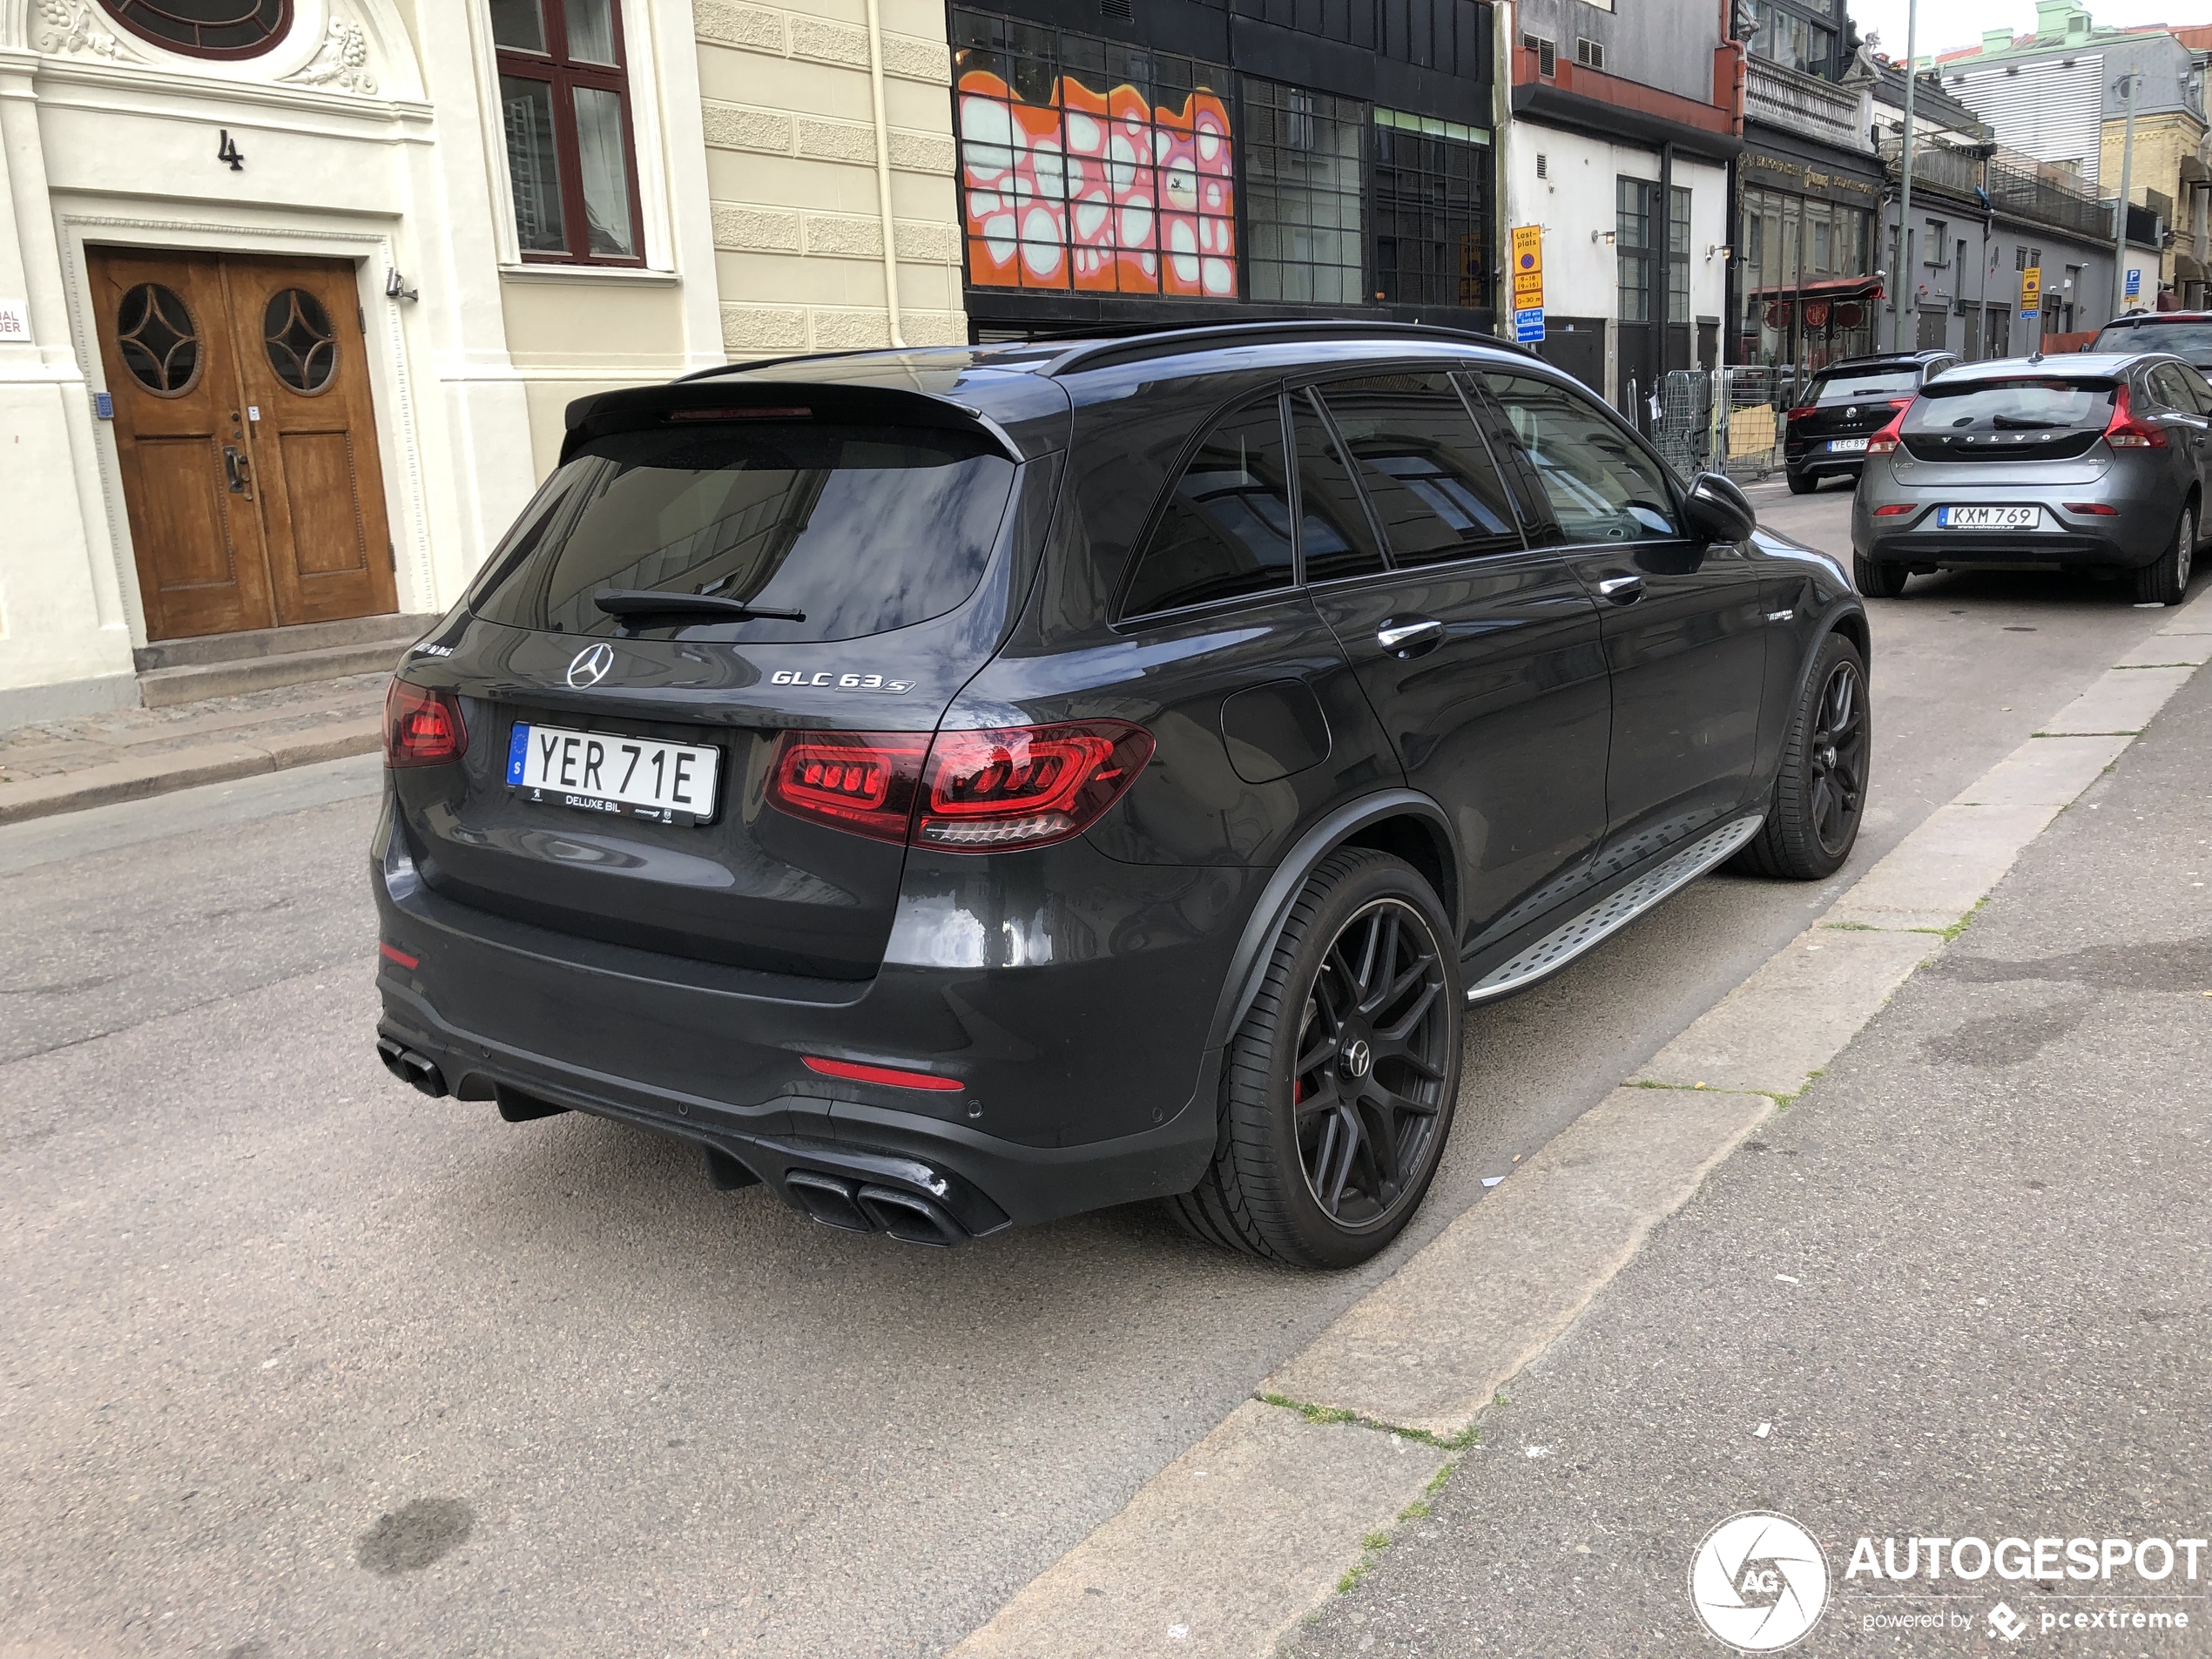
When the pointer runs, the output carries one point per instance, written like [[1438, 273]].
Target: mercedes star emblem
[[1359, 1058], [590, 665]]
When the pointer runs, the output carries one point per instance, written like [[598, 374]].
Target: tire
[[2166, 579], [1877, 578], [1335, 1107], [1801, 485], [1820, 791]]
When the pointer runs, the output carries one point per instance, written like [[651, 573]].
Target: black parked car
[[965, 786], [1845, 404]]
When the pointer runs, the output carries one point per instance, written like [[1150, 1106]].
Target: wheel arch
[[1402, 822]]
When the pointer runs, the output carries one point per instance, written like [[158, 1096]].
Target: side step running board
[[1616, 910]]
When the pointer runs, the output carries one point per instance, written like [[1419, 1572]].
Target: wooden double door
[[246, 438]]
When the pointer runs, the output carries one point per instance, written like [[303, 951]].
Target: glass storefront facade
[[1804, 285]]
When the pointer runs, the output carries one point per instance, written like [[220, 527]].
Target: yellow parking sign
[[2031, 291], [1527, 267]]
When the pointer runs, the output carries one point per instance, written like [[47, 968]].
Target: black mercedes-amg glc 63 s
[[963, 786]]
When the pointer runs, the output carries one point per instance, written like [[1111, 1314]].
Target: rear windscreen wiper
[[705, 607]]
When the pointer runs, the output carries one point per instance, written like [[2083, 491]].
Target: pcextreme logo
[[1759, 1582]]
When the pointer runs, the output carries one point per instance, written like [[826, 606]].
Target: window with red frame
[[564, 106]]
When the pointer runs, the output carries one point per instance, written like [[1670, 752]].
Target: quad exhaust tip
[[416, 1071], [906, 1217]]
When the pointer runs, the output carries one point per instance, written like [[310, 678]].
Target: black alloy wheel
[[2165, 581], [1827, 760], [1341, 1084], [1371, 1057]]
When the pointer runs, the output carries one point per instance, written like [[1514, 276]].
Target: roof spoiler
[[637, 409]]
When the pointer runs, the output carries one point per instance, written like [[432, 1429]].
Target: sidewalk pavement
[[59, 766], [1959, 1288]]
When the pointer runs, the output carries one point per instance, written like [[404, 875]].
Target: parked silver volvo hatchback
[[2041, 462]]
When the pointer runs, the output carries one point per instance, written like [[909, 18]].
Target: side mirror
[[1716, 510]]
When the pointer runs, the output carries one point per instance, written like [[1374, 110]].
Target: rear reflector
[[1893, 509], [853, 1071], [2097, 507], [422, 728], [394, 953], [965, 791]]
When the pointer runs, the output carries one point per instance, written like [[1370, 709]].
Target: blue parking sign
[[1528, 325]]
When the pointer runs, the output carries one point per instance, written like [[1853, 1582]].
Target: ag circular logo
[[1359, 1058], [590, 665], [1758, 1581]]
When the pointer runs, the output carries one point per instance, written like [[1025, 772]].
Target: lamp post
[[2129, 83], [1905, 280]]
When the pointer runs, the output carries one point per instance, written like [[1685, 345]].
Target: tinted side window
[[2169, 389], [2199, 389], [1602, 486], [1425, 467], [1333, 530], [1227, 529]]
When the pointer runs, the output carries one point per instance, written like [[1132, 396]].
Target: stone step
[[163, 688], [204, 649]]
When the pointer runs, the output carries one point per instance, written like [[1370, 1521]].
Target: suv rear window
[[1852, 386], [2026, 405], [2190, 340], [862, 528]]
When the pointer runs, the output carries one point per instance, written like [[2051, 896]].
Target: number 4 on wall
[[227, 151]]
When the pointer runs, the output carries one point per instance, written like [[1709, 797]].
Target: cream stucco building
[[293, 293]]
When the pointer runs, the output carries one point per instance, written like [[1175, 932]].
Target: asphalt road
[[300, 1362], [1963, 1283]]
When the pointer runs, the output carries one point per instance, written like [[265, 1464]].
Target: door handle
[[1622, 589], [1411, 637], [240, 470]]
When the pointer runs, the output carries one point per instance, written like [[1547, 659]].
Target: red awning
[[1831, 288]]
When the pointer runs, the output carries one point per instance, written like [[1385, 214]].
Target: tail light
[[2127, 433], [853, 1071], [1886, 441], [1800, 413], [967, 792], [1893, 509], [858, 781], [422, 728], [1026, 785], [2095, 508]]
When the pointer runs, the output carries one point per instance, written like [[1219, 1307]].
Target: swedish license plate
[[1847, 446], [599, 771], [1989, 518]]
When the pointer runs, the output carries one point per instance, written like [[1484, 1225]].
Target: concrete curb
[[211, 763], [1426, 1351]]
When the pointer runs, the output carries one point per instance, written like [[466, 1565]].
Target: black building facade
[[1133, 161]]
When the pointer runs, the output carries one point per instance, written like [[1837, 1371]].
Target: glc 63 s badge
[[830, 679]]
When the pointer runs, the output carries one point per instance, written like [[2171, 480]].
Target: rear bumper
[[1085, 1079], [1815, 461], [2127, 541]]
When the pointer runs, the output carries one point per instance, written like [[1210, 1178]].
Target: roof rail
[[1163, 341]]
